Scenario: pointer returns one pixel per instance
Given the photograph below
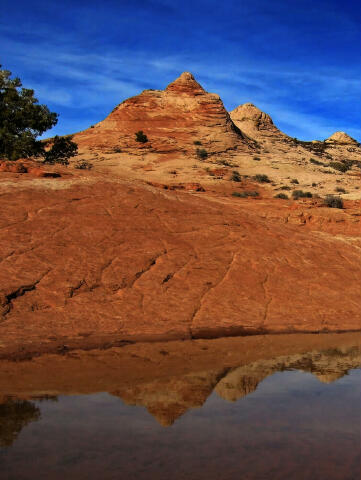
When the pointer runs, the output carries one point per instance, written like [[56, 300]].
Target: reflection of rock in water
[[168, 399], [327, 366], [14, 416]]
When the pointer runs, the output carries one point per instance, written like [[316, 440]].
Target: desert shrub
[[83, 165], [226, 163], [201, 153], [261, 178], [356, 163], [340, 190], [296, 194], [256, 158], [117, 150], [316, 162], [62, 148], [141, 137], [285, 187], [295, 181], [245, 194], [197, 142], [235, 177], [314, 184], [333, 202], [281, 195], [340, 166]]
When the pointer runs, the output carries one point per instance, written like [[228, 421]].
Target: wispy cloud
[[83, 77]]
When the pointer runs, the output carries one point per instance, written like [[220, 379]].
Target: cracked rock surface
[[100, 262]]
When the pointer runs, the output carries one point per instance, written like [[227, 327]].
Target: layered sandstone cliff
[[172, 119]]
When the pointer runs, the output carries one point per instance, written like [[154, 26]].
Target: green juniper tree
[[22, 119], [62, 148]]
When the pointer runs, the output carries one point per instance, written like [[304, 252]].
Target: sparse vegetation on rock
[[261, 178], [83, 165], [236, 177], [201, 153], [332, 201], [340, 166], [141, 137], [317, 162], [296, 194], [245, 194], [283, 196]]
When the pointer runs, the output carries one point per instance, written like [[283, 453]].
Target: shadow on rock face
[[14, 416]]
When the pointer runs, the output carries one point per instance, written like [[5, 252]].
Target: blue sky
[[297, 60]]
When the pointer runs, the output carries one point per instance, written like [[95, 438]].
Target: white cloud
[[93, 83]]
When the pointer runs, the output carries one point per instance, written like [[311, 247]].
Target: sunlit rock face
[[341, 138], [172, 119]]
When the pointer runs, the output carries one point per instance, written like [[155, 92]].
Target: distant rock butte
[[253, 122], [341, 137], [173, 119]]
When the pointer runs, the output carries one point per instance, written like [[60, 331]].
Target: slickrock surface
[[86, 261], [172, 119]]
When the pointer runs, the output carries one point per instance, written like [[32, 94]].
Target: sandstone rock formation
[[341, 138], [254, 122], [143, 248], [173, 119], [110, 261]]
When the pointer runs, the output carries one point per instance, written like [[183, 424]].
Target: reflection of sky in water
[[291, 427]]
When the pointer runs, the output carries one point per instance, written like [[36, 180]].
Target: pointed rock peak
[[185, 83], [248, 111], [341, 137], [166, 415]]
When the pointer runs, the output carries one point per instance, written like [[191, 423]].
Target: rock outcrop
[[255, 123], [172, 119], [111, 261], [341, 138]]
